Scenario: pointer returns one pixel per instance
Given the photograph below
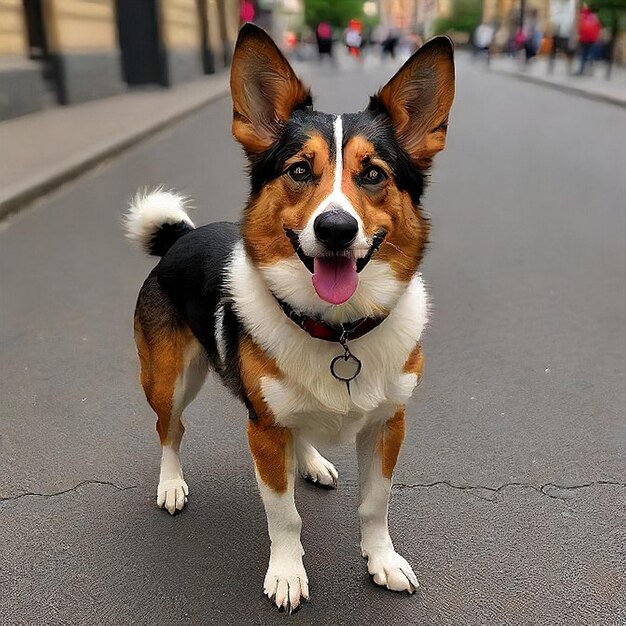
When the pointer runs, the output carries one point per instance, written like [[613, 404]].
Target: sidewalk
[[596, 87], [43, 150]]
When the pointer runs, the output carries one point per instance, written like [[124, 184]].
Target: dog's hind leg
[[313, 466], [173, 369]]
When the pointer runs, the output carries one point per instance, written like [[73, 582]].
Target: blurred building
[[413, 16], [507, 12], [68, 51]]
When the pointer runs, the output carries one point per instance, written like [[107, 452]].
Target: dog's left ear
[[418, 100], [265, 90]]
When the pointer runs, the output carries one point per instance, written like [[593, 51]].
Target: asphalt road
[[510, 501]]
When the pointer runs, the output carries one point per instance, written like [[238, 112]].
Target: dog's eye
[[300, 171], [372, 176]]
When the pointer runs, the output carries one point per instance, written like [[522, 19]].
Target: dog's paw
[[388, 569], [286, 584], [318, 470], [172, 494]]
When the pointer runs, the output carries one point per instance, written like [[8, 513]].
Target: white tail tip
[[150, 211]]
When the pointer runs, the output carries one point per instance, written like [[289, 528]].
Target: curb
[[579, 91], [73, 168]]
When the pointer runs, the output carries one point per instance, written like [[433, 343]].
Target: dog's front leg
[[378, 446], [273, 451], [272, 448]]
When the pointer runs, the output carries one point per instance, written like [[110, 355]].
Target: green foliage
[[599, 5], [612, 13], [465, 17], [337, 12]]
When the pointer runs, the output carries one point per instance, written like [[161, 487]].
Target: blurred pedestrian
[[483, 40], [518, 42], [589, 30], [246, 11], [390, 43], [546, 45], [324, 37], [560, 45], [561, 26], [353, 38], [531, 36]]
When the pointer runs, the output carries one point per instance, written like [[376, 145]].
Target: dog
[[311, 310]]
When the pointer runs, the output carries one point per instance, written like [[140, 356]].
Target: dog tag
[[345, 367]]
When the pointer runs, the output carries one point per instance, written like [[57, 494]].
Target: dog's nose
[[335, 228]]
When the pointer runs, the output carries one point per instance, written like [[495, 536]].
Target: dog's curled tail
[[157, 219]]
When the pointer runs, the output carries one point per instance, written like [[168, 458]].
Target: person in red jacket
[[589, 29]]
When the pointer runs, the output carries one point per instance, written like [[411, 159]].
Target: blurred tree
[[337, 12], [610, 12], [464, 17], [607, 6]]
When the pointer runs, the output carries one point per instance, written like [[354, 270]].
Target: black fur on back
[[192, 275]]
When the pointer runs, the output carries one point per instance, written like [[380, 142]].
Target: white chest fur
[[308, 397]]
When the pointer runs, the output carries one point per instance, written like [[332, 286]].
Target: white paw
[[390, 570], [286, 583], [172, 494], [318, 470]]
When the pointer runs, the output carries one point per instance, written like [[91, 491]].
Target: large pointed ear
[[418, 100], [265, 90]]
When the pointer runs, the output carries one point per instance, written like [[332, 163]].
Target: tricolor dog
[[311, 310]]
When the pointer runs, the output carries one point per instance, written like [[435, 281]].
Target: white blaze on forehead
[[308, 242], [338, 128]]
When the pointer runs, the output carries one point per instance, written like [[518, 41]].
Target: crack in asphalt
[[76, 487], [494, 492]]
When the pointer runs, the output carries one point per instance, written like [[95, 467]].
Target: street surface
[[510, 499]]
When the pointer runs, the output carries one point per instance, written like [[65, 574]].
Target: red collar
[[341, 333]]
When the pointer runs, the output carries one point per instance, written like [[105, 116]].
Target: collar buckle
[[343, 340]]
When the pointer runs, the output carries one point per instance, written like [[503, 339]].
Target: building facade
[[506, 11], [413, 16], [69, 51]]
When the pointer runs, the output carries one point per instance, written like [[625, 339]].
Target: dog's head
[[333, 221]]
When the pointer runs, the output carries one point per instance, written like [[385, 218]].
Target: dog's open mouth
[[335, 274], [335, 277]]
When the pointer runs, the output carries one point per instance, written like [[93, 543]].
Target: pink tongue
[[335, 278]]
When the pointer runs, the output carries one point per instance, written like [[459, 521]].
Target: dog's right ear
[[264, 88]]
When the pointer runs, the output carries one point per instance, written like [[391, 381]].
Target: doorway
[[143, 55], [38, 50], [208, 60]]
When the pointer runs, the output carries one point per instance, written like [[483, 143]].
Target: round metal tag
[[345, 367]]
